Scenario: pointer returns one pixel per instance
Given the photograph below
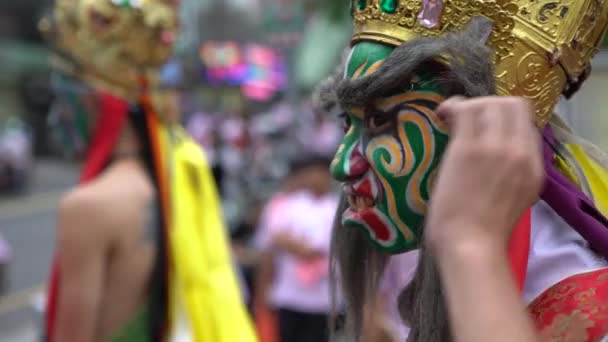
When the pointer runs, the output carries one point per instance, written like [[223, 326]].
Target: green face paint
[[389, 155]]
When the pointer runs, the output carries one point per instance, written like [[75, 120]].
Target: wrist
[[467, 248]]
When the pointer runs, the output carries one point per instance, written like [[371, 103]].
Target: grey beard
[[422, 304], [357, 268]]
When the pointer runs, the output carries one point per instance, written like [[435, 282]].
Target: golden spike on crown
[[115, 45], [543, 48]]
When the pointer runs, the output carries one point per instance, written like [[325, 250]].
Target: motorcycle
[[16, 154]]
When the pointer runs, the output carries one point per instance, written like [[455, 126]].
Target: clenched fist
[[491, 172]]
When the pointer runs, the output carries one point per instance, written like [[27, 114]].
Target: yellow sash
[[202, 269], [596, 176]]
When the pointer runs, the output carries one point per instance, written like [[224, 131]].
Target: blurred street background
[[244, 71], [27, 222]]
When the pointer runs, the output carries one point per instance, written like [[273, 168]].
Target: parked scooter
[[16, 155]]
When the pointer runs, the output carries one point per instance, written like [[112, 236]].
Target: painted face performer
[[142, 253], [406, 58]]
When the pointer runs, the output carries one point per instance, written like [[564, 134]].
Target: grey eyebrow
[[469, 60]]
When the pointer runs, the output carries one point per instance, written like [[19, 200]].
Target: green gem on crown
[[128, 3], [389, 6], [361, 4]]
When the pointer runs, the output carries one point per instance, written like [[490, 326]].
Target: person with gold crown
[[142, 252], [452, 150]]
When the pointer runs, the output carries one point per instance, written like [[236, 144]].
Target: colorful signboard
[[260, 71]]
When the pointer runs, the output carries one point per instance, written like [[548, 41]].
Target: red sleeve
[[575, 309]]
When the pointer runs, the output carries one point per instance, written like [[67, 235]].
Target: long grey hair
[[465, 68]]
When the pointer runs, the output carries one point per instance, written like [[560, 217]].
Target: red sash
[[519, 249], [112, 115]]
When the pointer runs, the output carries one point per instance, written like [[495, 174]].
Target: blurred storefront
[[587, 111], [24, 69], [246, 88]]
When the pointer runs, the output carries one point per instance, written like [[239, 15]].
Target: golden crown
[[115, 45], [543, 48]]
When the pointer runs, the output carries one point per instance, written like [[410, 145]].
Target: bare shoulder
[[83, 215], [93, 212], [81, 229]]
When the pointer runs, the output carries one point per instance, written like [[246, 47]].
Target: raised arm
[[491, 173]]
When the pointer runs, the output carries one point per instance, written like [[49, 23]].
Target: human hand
[[282, 240], [491, 172], [298, 247], [376, 326]]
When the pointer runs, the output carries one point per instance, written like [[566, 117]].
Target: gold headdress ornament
[[543, 48], [115, 45]]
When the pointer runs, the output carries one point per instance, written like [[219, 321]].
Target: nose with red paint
[[349, 163]]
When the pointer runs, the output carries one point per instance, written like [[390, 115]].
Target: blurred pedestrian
[[295, 237]]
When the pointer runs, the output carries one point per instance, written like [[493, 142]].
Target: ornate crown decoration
[[115, 45], [543, 48]]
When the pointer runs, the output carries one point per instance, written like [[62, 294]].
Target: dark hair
[[159, 282], [302, 162]]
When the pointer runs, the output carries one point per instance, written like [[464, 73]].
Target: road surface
[[27, 223]]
